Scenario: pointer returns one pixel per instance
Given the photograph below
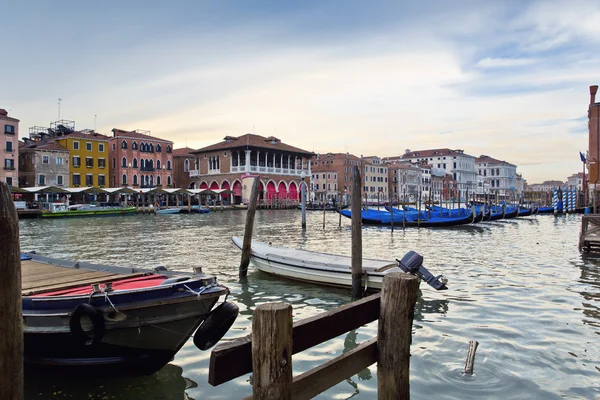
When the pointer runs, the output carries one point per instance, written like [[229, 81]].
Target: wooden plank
[[90, 281], [233, 359], [52, 280]]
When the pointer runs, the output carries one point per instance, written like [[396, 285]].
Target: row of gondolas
[[442, 216]]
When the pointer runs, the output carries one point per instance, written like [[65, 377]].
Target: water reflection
[[168, 383]]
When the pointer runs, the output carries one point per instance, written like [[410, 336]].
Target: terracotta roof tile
[[185, 151], [136, 135], [81, 135], [434, 153], [250, 140], [490, 160], [43, 145]]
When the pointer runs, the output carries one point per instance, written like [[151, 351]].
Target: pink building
[[140, 160], [10, 149]]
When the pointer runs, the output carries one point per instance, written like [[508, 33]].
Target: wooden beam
[[233, 359], [357, 271], [247, 244]]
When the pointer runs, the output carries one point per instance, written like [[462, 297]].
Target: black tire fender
[[97, 322], [215, 325]]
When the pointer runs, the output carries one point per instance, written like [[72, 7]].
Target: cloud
[[490, 62]]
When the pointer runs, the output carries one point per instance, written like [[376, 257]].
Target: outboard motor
[[412, 263]]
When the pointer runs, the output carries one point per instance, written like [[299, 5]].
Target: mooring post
[[470, 363], [247, 246], [303, 200], [272, 352], [357, 271], [11, 320], [189, 201], [398, 298]]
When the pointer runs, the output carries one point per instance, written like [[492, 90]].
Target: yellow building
[[88, 164]]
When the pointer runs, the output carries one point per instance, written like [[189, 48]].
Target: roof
[[82, 135], [490, 160], [249, 140], [49, 145], [120, 133], [433, 153], [185, 151]]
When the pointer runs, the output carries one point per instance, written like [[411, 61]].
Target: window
[[124, 162], [158, 148], [124, 179], [168, 149], [9, 129], [9, 163], [158, 180], [169, 180], [135, 180], [89, 162], [89, 180], [59, 180], [101, 180], [134, 146], [124, 144], [114, 147], [169, 165], [88, 146], [157, 164], [9, 147], [76, 180], [42, 180], [113, 163], [135, 163], [186, 166], [59, 160], [75, 145], [76, 161], [101, 147], [101, 163], [45, 159]]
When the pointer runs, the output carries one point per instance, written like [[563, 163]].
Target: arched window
[[124, 179], [135, 163], [157, 164], [169, 180], [158, 148], [158, 180], [186, 166], [124, 144], [124, 162], [135, 179], [150, 164], [134, 146], [151, 150], [143, 147], [169, 165], [168, 149]]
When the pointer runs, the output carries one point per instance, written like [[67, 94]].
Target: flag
[[582, 157]]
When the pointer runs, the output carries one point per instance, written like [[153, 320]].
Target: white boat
[[167, 211], [329, 269]]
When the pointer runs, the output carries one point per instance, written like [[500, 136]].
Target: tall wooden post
[[357, 271], [398, 297], [303, 200], [247, 246], [189, 201], [11, 319], [272, 352]]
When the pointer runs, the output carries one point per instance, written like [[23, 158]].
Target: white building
[[376, 179], [497, 177], [575, 181], [459, 165]]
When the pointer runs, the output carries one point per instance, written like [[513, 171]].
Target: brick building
[[183, 163], [331, 176], [593, 160]]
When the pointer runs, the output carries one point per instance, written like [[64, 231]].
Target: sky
[[509, 79]]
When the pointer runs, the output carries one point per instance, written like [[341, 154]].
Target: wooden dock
[[38, 277], [589, 238]]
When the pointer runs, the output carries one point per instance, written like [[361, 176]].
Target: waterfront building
[[546, 186], [43, 163], [575, 181], [331, 176], [375, 186], [497, 177], [183, 163], [404, 181], [226, 165], [593, 159], [10, 152], [140, 160], [455, 162]]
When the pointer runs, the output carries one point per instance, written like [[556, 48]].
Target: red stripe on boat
[[124, 284]]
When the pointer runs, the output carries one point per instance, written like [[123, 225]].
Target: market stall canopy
[[43, 189], [116, 190], [85, 189]]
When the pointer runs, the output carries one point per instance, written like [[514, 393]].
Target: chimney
[[593, 90], [4, 113]]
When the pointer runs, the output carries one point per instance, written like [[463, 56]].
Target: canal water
[[519, 287]]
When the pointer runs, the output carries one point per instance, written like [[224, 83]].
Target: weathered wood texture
[[398, 297], [303, 199], [589, 237], [272, 351], [247, 246], [233, 359], [357, 271], [11, 325], [470, 363]]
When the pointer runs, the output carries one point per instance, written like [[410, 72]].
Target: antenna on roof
[[59, 100], [95, 116]]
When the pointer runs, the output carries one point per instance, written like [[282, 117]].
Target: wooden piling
[[272, 352], [470, 363], [303, 200], [189, 201], [398, 297], [246, 248], [11, 325], [357, 271]]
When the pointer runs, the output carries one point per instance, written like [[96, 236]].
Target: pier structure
[[225, 166]]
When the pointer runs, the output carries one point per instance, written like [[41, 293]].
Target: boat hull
[[89, 213]]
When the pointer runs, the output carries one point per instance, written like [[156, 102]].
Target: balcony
[[147, 169], [9, 150], [7, 132], [9, 168], [255, 169]]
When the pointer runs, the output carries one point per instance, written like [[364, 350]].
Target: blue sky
[[509, 80]]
